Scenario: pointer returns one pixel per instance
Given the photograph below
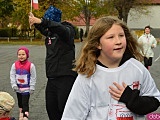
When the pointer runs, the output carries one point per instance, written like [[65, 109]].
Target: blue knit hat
[[53, 13]]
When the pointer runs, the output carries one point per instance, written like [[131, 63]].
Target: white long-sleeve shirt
[[148, 42], [90, 99]]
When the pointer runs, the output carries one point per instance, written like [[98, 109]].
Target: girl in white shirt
[[112, 84]]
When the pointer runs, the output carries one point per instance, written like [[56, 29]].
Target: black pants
[[147, 62], [81, 39], [57, 91], [23, 102]]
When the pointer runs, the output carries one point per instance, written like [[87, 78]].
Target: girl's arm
[[78, 103], [12, 76], [141, 101], [33, 77], [141, 105]]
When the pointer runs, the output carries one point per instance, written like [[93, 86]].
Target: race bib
[[119, 112], [21, 79]]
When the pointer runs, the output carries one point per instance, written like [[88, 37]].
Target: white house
[[137, 22], [152, 19]]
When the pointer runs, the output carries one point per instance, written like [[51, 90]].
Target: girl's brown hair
[[86, 62]]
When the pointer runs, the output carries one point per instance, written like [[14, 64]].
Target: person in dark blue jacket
[[60, 55]]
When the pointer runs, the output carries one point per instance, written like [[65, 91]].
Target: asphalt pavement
[[8, 54]]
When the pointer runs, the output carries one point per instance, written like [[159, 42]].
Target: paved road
[[37, 56]]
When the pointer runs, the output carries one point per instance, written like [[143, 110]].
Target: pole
[[31, 5], [30, 25], [31, 12]]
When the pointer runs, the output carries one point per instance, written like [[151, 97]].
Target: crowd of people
[[95, 85]]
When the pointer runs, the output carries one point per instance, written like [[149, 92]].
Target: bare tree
[[123, 7]]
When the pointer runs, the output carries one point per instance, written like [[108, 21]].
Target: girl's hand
[[15, 88], [117, 91]]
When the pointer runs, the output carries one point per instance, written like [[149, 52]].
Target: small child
[[23, 79], [7, 103]]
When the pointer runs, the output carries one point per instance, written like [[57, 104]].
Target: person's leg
[[20, 114], [146, 62], [25, 109], [51, 99], [65, 84], [149, 62], [81, 39], [19, 98]]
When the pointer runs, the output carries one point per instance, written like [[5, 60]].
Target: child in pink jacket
[[23, 79]]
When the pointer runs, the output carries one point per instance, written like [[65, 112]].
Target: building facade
[[138, 23]]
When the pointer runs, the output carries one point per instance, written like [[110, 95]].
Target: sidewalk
[[37, 55]]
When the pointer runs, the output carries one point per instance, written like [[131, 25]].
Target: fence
[[16, 38]]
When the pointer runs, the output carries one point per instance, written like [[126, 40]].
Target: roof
[[156, 1], [80, 22]]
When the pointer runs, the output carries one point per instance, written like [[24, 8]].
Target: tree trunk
[[87, 15], [87, 28]]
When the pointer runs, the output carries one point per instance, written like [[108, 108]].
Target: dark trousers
[[147, 62], [23, 102], [81, 39], [57, 91]]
